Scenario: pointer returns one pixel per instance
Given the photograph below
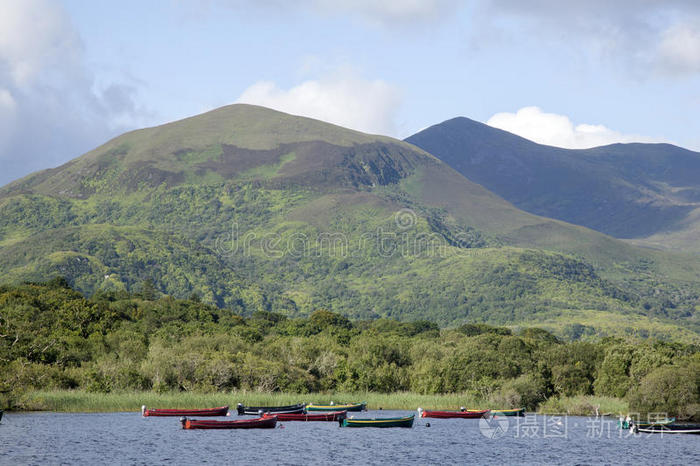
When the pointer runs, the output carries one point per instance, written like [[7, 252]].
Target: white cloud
[[679, 50], [341, 98], [51, 108], [7, 102], [390, 12], [8, 107], [558, 130], [631, 35], [34, 35]]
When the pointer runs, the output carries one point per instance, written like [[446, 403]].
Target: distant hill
[[646, 192], [258, 210]]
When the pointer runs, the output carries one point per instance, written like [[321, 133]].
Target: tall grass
[[81, 401]]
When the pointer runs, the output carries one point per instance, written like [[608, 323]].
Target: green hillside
[[256, 210]]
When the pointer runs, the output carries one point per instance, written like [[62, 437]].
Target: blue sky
[[575, 74]]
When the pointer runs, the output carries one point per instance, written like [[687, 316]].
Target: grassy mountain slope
[[234, 142], [625, 190], [258, 210]]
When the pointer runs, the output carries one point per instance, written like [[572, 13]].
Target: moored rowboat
[[255, 410], [379, 422], [508, 412], [692, 429], [466, 414], [341, 407], [221, 411], [259, 423], [308, 417], [628, 423]]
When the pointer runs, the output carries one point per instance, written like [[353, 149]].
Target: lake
[[127, 438]]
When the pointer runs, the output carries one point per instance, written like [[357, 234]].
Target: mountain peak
[[625, 190], [235, 142], [461, 130]]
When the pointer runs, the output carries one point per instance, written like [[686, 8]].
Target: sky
[[575, 74]]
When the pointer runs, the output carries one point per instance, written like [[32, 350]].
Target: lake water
[[128, 438]]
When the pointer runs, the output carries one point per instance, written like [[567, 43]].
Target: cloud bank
[[643, 37], [558, 130], [679, 49], [50, 107], [341, 98]]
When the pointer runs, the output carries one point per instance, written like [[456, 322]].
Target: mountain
[[257, 210], [646, 192]]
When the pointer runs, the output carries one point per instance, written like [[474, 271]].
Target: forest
[[52, 337]]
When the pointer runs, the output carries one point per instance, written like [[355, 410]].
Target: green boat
[[378, 422], [508, 412], [627, 423], [333, 407]]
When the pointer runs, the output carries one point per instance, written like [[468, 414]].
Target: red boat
[[257, 423], [336, 416], [466, 414], [221, 411]]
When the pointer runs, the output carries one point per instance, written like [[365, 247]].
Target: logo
[[405, 219], [493, 427]]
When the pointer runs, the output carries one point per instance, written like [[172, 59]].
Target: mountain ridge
[[630, 191], [166, 204]]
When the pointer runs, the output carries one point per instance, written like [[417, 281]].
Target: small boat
[[628, 423], [378, 422], [335, 416], [461, 414], [334, 407], [508, 412], [692, 429], [221, 411], [255, 410], [259, 423]]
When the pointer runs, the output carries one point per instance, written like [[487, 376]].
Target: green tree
[[148, 290], [323, 319], [613, 376], [674, 390]]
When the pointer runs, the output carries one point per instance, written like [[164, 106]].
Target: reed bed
[[82, 401]]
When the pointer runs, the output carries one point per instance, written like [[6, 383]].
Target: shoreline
[[79, 401]]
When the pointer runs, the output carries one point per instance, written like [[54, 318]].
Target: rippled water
[[127, 438]]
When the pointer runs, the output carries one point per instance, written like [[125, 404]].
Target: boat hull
[[346, 407], [454, 414], [220, 411], [687, 429], [259, 423], [256, 410], [379, 422], [303, 417], [508, 412]]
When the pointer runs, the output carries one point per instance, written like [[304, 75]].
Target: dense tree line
[[53, 337]]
